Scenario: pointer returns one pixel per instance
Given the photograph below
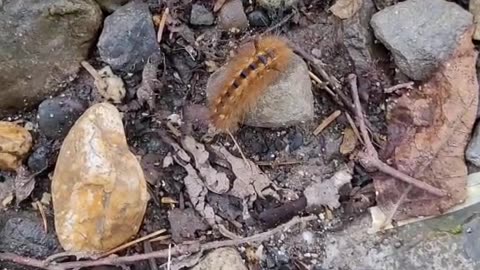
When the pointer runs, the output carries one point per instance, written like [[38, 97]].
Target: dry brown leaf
[[251, 181], [349, 141], [428, 132], [345, 9], [150, 83], [215, 181], [7, 189], [24, 184]]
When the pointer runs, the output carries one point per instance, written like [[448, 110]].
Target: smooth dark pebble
[[57, 115], [258, 18], [40, 158], [296, 141]]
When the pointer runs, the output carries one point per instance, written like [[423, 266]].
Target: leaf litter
[[428, 131]]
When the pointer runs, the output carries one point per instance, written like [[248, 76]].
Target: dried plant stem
[[165, 253], [407, 85], [326, 122], [162, 25], [369, 157]]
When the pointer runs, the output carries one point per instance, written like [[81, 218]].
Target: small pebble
[[258, 18], [469, 230], [200, 15], [397, 244]]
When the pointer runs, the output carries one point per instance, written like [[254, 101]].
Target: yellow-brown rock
[[99, 191], [15, 143]]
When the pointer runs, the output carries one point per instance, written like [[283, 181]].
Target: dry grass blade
[[131, 243], [42, 214], [326, 122], [161, 27]]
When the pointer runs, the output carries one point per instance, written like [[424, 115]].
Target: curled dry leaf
[[251, 181], [216, 181], [7, 189], [24, 184], [345, 9], [428, 132], [349, 141]]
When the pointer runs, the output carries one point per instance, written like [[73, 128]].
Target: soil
[[184, 80]]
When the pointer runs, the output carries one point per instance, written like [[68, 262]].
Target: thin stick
[[326, 122], [239, 149], [10, 257], [354, 127], [147, 247], [161, 26], [407, 85], [126, 245], [369, 157], [322, 84], [177, 250], [42, 214]]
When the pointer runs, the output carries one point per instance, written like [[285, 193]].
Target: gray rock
[[421, 34], [41, 46], [200, 15], [41, 158], [277, 4], [128, 38], [258, 18], [287, 102], [359, 39], [221, 259], [28, 238], [111, 5], [472, 153], [232, 15], [57, 115]]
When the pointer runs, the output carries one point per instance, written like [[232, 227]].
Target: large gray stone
[[421, 34], [41, 46], [128, 38]]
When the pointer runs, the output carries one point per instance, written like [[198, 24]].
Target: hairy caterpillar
[[245, 78]]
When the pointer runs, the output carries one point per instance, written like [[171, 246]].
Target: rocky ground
[[105, 138]]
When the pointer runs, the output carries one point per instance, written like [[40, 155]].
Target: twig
[[147, 247], [174, 251], [42, 214], [369, 157], [354, 127], [326, 122], [239, 149], [161, 26], [126, 245], [322, 84], [407, 85]]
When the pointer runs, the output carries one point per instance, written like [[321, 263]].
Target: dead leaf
[[251, 181], [428, 132], [24, 184], [349, 141], [326, 192], [196, 192], [345, 9], [184, 224], [7, 189], [216, 181]]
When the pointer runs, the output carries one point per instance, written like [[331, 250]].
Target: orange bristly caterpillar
[[247, 76]]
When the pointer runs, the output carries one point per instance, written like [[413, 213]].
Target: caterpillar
[[246, 77]]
